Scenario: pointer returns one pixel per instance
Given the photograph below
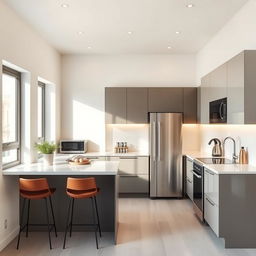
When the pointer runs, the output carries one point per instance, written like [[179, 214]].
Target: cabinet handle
[[189, 180], [128, 157], [129, 176], [210, 202], [92, 157]]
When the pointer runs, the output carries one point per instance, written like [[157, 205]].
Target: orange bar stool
[[34, 189], [82, 188]]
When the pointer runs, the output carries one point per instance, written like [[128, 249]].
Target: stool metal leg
[[71, 221], [50, 199], [28, 217], [67, 223], [97, 213], [94, 222], [48, 224], [21, 221]]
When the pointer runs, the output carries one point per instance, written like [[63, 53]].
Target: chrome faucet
[[235, 157]]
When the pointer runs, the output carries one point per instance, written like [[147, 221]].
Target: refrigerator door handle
[[159, 141], [154, 141]]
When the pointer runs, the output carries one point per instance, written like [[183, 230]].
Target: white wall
[[237, 35], [23, 47], [84, 79]]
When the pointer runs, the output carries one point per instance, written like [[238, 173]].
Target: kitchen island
[[105, 173]]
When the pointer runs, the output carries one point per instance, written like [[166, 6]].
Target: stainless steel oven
[[198, 189]]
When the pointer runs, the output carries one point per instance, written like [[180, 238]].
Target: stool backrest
[[33, 185], [78, 184]]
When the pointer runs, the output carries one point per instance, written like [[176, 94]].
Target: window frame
[[15, 144], [42, 85]]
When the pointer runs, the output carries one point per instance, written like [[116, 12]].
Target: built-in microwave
[[218, 111], [73, 146]]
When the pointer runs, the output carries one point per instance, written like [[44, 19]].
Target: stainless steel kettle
[[217, 148]]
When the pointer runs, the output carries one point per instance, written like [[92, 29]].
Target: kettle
[[217, 149]]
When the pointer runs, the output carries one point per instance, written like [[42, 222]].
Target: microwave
[[73, 146], [218, 111]]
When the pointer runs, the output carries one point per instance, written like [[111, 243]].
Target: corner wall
[[23, 47]]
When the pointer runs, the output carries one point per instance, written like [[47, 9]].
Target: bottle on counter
[[243, 156]]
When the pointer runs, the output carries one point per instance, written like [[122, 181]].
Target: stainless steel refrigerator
[[166, 155]]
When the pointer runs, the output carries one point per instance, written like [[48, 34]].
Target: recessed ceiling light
[[169, 47], [64, 5], [80, 33], [177, 32], [190, 5], [89, 47], [129, 32]]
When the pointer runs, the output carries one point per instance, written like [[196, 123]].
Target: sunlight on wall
[[87, 124]]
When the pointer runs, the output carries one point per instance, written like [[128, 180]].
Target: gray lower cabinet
[[189, 178], [133, 174], [137, 105], [115, 105], [165, 99]]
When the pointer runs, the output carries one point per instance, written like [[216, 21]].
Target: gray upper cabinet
[[137, 105], [190, 105], [115, 105], [235, 110], [218, 83], [236, 80], [165, 99]]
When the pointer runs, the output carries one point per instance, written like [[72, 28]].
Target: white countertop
[[61, 167], [222, 168], [109, 154]]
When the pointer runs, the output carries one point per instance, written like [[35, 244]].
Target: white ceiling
[[105, 24]]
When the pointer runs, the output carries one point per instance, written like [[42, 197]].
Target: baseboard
[[9, 238]]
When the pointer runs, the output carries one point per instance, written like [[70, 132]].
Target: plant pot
[[48, 159]]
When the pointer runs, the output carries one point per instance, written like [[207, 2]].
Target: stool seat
[[37, 194], [79, 194]]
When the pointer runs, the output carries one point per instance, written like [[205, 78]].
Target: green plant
[[46, 147]]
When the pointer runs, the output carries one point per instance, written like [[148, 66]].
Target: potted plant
[[47, 149]]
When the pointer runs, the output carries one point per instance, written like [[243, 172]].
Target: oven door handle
[[198, 176]]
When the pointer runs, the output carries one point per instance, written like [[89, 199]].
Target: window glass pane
[[9, 109], [10, 156], [40, 111]]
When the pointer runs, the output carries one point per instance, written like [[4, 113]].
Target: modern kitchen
[[127, 130]]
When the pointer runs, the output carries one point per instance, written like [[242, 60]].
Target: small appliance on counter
[[217, 148], [243, 156], [121, 147], [73, 146]]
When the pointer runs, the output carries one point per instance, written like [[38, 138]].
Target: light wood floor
[[147, 227]]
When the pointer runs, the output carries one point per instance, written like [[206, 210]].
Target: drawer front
[[211, 186], [189, 172], [133, 184], [189, 188], [211, 214], [132, 165]]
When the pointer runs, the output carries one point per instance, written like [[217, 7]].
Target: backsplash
[[244, 135], [136, 136]]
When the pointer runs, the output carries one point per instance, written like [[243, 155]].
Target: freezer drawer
[[133, 184]]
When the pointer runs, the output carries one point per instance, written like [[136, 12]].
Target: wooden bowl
[[79, 163]]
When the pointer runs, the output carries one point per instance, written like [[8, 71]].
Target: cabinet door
[[190, 105], [218, 83], [133, 184], [236, 90], [165, 99], [115, 105], [189, 178], [205, 99], [137, 105]]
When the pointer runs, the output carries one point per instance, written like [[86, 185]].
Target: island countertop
[[61, 167]]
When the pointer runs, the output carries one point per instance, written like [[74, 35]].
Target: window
[[11, 107], [41, 111]]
